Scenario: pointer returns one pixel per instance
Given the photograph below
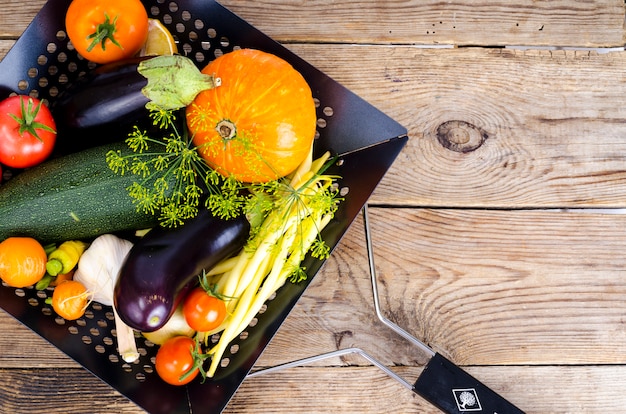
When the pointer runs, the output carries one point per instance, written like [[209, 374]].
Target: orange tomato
[[259, 124], [22, 261], [70, 299], [104, 31]]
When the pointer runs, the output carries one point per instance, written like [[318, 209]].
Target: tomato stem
[[104, 31], [211, 289], [27, 121], [198, 362]]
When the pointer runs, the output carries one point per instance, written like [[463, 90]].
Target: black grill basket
[[42, 63]]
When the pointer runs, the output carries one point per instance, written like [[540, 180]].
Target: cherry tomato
[[104, 31], [22, 261], [27, 131], [70, 299], [203, 311], [175, 362]]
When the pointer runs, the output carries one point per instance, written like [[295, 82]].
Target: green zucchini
[[72, 197]]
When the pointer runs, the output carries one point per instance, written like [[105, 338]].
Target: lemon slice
[[160, 41]]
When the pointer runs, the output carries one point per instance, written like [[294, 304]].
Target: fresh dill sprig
[[298, 274], [172, 176]]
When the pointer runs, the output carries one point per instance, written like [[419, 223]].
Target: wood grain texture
[[506, 287], [317, 390], [527, 387], [48, 390], [484, 288], [481, 287], [553, 390], [15, 16], [597, 23], [23, 348], [554, 122]]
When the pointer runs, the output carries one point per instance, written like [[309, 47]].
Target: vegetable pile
[[195, 201]]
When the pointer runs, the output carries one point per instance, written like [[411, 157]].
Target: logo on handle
[[467, 399]]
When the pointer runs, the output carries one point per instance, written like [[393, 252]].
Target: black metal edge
[[27, 49]]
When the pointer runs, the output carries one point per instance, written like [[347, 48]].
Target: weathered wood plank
[[15, 16], [529, 301], [379, 394], [479, 270], [5, 45], [554, 123], [482, 287], [61, 391], [509, 287], [314, 390], [597, 23], [22, 348]]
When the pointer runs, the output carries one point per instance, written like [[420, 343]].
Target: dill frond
[[174, 182]]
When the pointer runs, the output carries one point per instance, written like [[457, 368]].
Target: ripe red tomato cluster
[[179, 359]]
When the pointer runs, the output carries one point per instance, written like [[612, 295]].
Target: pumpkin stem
[[226, 129]]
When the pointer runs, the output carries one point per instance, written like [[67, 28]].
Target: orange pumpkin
[[259, 124]]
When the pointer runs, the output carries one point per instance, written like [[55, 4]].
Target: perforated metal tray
[[42, 63]]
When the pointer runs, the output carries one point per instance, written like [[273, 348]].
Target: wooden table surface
[[506, 258]]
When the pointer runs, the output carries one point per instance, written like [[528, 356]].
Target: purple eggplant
[[101, 107], [164, 265]]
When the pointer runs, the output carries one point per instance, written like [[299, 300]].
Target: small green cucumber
[[72, 197]]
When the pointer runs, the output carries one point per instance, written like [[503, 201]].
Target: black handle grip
[[454, 391]]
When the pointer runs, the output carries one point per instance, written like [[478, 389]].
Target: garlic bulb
[[98, 269]]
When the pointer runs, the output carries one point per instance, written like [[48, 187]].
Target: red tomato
[[203, 311], [175, 358], [27, 131], [104, 31]]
